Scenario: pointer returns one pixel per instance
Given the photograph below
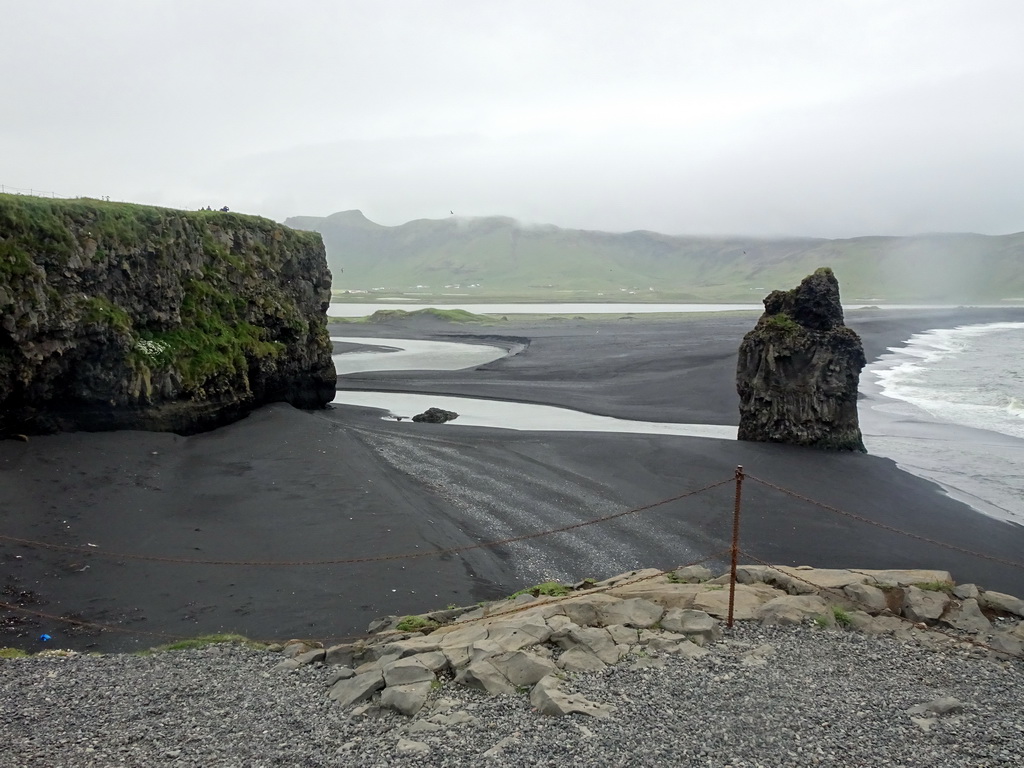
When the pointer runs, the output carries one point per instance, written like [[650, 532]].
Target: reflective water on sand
[[503, 414]]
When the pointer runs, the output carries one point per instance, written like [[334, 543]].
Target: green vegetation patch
[[547, 589], [12, 653], [203, 641], [100, 311], [841, 616], [416, 624], [213, 339], [936, 586], [783, 323]]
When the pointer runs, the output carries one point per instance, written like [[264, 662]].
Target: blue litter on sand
[[44, 638]]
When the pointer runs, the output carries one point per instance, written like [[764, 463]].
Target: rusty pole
[[735, 543]]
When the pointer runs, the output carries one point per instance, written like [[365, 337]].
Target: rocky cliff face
[[799, 368], [120, 316]]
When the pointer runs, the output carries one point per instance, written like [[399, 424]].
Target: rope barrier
[[365, 636], [369, 559], [916, 625], [595, 590], [510, 540], [890, 528]]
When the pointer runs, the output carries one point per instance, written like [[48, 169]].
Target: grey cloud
[[809, 118]]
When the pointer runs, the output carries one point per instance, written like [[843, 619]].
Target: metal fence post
[[735, 543]]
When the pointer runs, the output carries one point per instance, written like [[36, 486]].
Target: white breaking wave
[[970, 376], [952, 410]]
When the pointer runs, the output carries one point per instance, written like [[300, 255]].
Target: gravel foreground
[[820, 698]]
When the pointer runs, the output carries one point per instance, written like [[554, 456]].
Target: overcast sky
[[789, 117]]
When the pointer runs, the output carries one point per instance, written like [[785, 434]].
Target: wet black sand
[[290, 486]]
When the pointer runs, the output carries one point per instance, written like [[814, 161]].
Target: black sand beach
[[290, 486]]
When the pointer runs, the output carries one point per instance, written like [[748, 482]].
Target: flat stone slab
[[906, 577], [749, 597], [828, 578], [664, 593]]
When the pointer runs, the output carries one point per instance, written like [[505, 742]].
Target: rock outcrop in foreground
[[533, 642], [799, 368], [121, 316]]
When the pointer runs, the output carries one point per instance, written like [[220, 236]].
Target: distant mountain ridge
[[498, 256]]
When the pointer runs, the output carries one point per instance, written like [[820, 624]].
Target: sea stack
[[799, 368]]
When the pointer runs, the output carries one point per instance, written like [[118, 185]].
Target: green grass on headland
[[392, 315]]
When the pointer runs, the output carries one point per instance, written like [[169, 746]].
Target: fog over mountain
[[830, 119], [498, 256]]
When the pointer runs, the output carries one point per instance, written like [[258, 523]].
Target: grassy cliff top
[[48, 219]]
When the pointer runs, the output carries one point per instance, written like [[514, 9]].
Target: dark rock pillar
[[799, 368]]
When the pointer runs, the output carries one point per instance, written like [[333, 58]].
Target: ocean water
[[949, 405]]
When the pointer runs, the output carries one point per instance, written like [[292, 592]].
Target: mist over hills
[[492, 257]]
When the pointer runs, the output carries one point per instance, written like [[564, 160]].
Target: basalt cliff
[[799, 368], [118, 316]]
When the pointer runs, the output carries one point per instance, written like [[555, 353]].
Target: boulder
[[356, 689], [670, 642], [294, 648], [665, 594], [407, 699], [587, 610], [483, 675], [799, 368], [344, 673], [864, 596], [923, 604], [1007, 643], [904, 577], [521, 668], [595, 640], [966, 591], [999, 601], [407, 671], [748, 599], [820, 578], [967, 616], [435, 416], [697, 626], [549, 699], [345, 655], [311, 657], [522, 632], [621, 635], [692, 574], [634, 612], [791, 609]]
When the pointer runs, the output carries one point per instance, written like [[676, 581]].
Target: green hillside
[[497, 257]]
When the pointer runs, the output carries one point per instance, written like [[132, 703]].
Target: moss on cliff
[[133, 307]]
